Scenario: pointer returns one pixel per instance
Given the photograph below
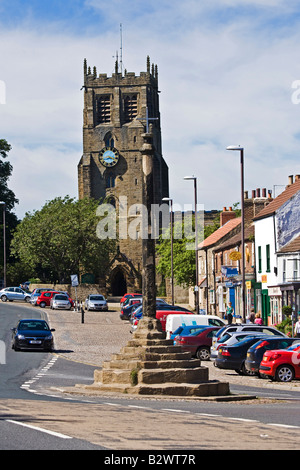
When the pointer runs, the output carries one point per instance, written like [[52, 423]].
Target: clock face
[[109, 156]]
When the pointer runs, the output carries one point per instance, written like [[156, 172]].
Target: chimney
[[253, 193], [226, 215], [291, 180], [258, 192], [264, 192], [297, 177]]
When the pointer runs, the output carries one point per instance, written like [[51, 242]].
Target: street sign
[[74, 280]]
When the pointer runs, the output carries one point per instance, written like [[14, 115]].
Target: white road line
[[283, 425], [53, 433], [174, 411]]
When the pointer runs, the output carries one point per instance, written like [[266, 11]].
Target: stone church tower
[[118, 110]]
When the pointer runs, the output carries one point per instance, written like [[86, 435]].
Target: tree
[[60, 240], [8, 197]]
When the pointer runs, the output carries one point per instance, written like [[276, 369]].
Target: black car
[[32, 334], [256, 351], [233, 357]]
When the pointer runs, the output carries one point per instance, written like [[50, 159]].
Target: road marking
[[36, 428], [174, 411], [283, 425]]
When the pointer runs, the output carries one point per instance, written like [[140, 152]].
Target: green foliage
[[60, 240]]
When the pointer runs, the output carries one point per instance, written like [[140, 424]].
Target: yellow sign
[[248, 285], [264, 278], [235, 255]]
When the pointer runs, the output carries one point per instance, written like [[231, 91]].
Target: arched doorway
[[118, 284]]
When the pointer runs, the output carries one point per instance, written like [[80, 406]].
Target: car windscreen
[[60, 297], [32, 325], [96, 297]]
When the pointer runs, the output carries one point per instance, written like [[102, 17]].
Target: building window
[[103, 109], [283, 270], [109, 140], [295, 270], [259, 259], [110, 180], [268, 258], [130, 107]]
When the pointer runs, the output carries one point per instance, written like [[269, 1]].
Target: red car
[[162, 315], [282, 365], [198, 343], [128, 296], [44, 299]]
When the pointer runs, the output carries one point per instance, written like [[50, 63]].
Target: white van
[[174, 321]]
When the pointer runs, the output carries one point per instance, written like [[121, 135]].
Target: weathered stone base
[[151, 365]]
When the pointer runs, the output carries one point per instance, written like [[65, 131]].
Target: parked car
[[137, 313], [185, 330], [14, 293], [173, 321], [247, 327], [32, 334], [44, 299], [36, 293], [197, 343], [282, 365], [256, 351], [128, 306], [233, 357], [60, 302], [96, 302], [128, 296]]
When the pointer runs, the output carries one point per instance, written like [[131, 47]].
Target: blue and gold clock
[[109, 156]]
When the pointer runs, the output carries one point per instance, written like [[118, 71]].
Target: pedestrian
[[258, 320], [297, 328], [251, 317], [229, 313]]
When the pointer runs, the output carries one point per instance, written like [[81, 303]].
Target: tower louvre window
[[130, 107], [103, 109]]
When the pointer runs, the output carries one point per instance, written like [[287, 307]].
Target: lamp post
[[4, 244], [241, 150], [194, 178], [167, 199]]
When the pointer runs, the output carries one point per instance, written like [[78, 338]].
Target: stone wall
[[83, 290]]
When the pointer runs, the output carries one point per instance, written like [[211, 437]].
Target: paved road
[[29, 395]]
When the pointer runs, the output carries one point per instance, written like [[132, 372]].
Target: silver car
[[60, 301], [96, 302], [14, 293]]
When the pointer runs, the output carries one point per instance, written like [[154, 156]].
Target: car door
[[18, 294]]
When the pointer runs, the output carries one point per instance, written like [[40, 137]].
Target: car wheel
[[203, 354], [3, 298], [43, 304], [284, 373], [27, 299]]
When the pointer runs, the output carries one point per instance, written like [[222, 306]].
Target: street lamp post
[[167, 199], [241, 150], [4, 244], [194, 178]]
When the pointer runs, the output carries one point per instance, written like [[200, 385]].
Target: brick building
[[117, 111]]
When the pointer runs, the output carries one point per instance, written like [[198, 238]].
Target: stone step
[[159, 364], [152, 356], [206, 389], [156, 376], [150, 342], [151, 349]]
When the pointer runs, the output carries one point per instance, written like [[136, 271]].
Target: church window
[[109, 140], [103, 109], [130, 107], [110, 180]]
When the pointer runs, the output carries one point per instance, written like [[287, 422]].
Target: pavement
[[93, 337]]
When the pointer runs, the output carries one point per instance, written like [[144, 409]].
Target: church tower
[[118, 110]]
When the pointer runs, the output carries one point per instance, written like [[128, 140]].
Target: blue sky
[[226, 69]]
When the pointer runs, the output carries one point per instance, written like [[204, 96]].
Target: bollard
[[82, 314]]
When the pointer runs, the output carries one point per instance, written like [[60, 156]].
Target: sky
[[228, 71]]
